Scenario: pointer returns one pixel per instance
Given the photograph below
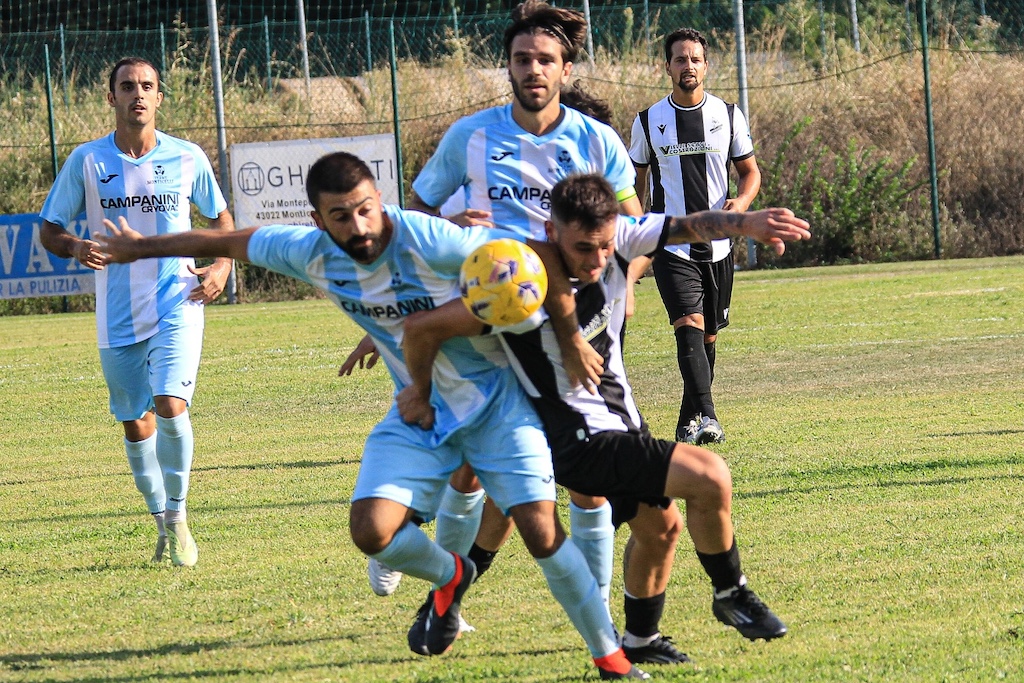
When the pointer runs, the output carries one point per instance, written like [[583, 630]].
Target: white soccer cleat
[[464, 626], [184, 551], [383, 579]]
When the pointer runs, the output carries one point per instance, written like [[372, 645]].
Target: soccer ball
[[503, 282]]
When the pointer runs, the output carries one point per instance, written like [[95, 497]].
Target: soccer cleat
[[442, 623], [184, 552], [161, 545], [615, 667], [383, 579], [689, 432], [658, 651], [701, 430], [740, 608], [417, 636], [418, 631]]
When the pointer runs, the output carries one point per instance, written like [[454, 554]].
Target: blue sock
[[146, 471], [412, 552], [174, 444], [593, 533], [458, 519], [577, 593]]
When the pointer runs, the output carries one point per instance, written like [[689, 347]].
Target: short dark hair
[[587, 200], [337, 173], [582, 101], [132, 61], [566, 26], [681, 34]]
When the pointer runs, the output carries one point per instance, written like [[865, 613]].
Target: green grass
[[874, 416]]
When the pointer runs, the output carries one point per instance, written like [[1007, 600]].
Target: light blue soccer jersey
[[419, 270], [135, 300], [510, 172]]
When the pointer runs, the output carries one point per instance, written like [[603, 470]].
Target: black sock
[[723, 568], [696, 372], [709, 349], [643, 615], [482, 559]]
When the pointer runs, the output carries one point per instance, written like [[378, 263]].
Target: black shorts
[[689, 287], [627, 468]]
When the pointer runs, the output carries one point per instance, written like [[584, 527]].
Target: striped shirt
[[136, 300]]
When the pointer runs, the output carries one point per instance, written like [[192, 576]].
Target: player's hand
[[583, 365], [365, 355], [774, 227], [119, 243], [414, 408], [87, 252], [471, 217], [212, 279]]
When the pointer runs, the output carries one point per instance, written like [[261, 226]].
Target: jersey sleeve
[[67, 196], [444, 244], [445, 171], [638, 147], [618, 167], [640, 235], [285, 249], [742, 142], [206, 193]]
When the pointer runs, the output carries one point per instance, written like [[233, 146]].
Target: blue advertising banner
[[28, 270]]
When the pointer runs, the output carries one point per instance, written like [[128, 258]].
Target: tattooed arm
[[773, 227]]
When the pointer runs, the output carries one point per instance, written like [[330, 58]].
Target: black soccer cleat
[[743, 610], [418, 631], [442, 622], [658, 651]]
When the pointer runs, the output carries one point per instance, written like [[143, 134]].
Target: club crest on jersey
[[716, 126], [396, 280], [160, 175], [564, 159]]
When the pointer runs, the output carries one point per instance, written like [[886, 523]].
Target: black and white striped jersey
[[687, 151], [571, 414]]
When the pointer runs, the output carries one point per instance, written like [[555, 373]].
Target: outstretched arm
[[424, 332], [773, 227], [213, 277], [123, 245]]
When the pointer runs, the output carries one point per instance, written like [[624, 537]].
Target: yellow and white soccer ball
[[503, 282]]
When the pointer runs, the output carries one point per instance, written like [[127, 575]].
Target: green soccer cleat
[[184, 552]]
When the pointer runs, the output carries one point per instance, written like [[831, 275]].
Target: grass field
[[874, 416]]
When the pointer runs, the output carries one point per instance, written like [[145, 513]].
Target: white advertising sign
[[269, 178]]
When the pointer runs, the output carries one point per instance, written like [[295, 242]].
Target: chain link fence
[[835, 87]]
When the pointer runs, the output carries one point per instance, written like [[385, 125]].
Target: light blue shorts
[[505, 445], [166, 364]]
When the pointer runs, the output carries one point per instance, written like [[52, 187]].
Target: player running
[[600, 444], [379, 264], [149, 317]]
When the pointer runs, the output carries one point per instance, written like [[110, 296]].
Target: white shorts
[[505, 445], [166, 364]]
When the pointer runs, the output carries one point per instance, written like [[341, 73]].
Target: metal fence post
[[590, 32], [218, 104], [741, 81], [369, 53], [305, 48], [394, 107], [64, 66], [49, 112], [854, 28], [266, 41], [163, 51], [932, 173]]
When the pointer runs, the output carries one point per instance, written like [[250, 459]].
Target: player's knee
[[368, 532], [659, 530], [716, 482], [539, 528]]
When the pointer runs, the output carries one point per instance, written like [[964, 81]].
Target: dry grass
[[876, 102]]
